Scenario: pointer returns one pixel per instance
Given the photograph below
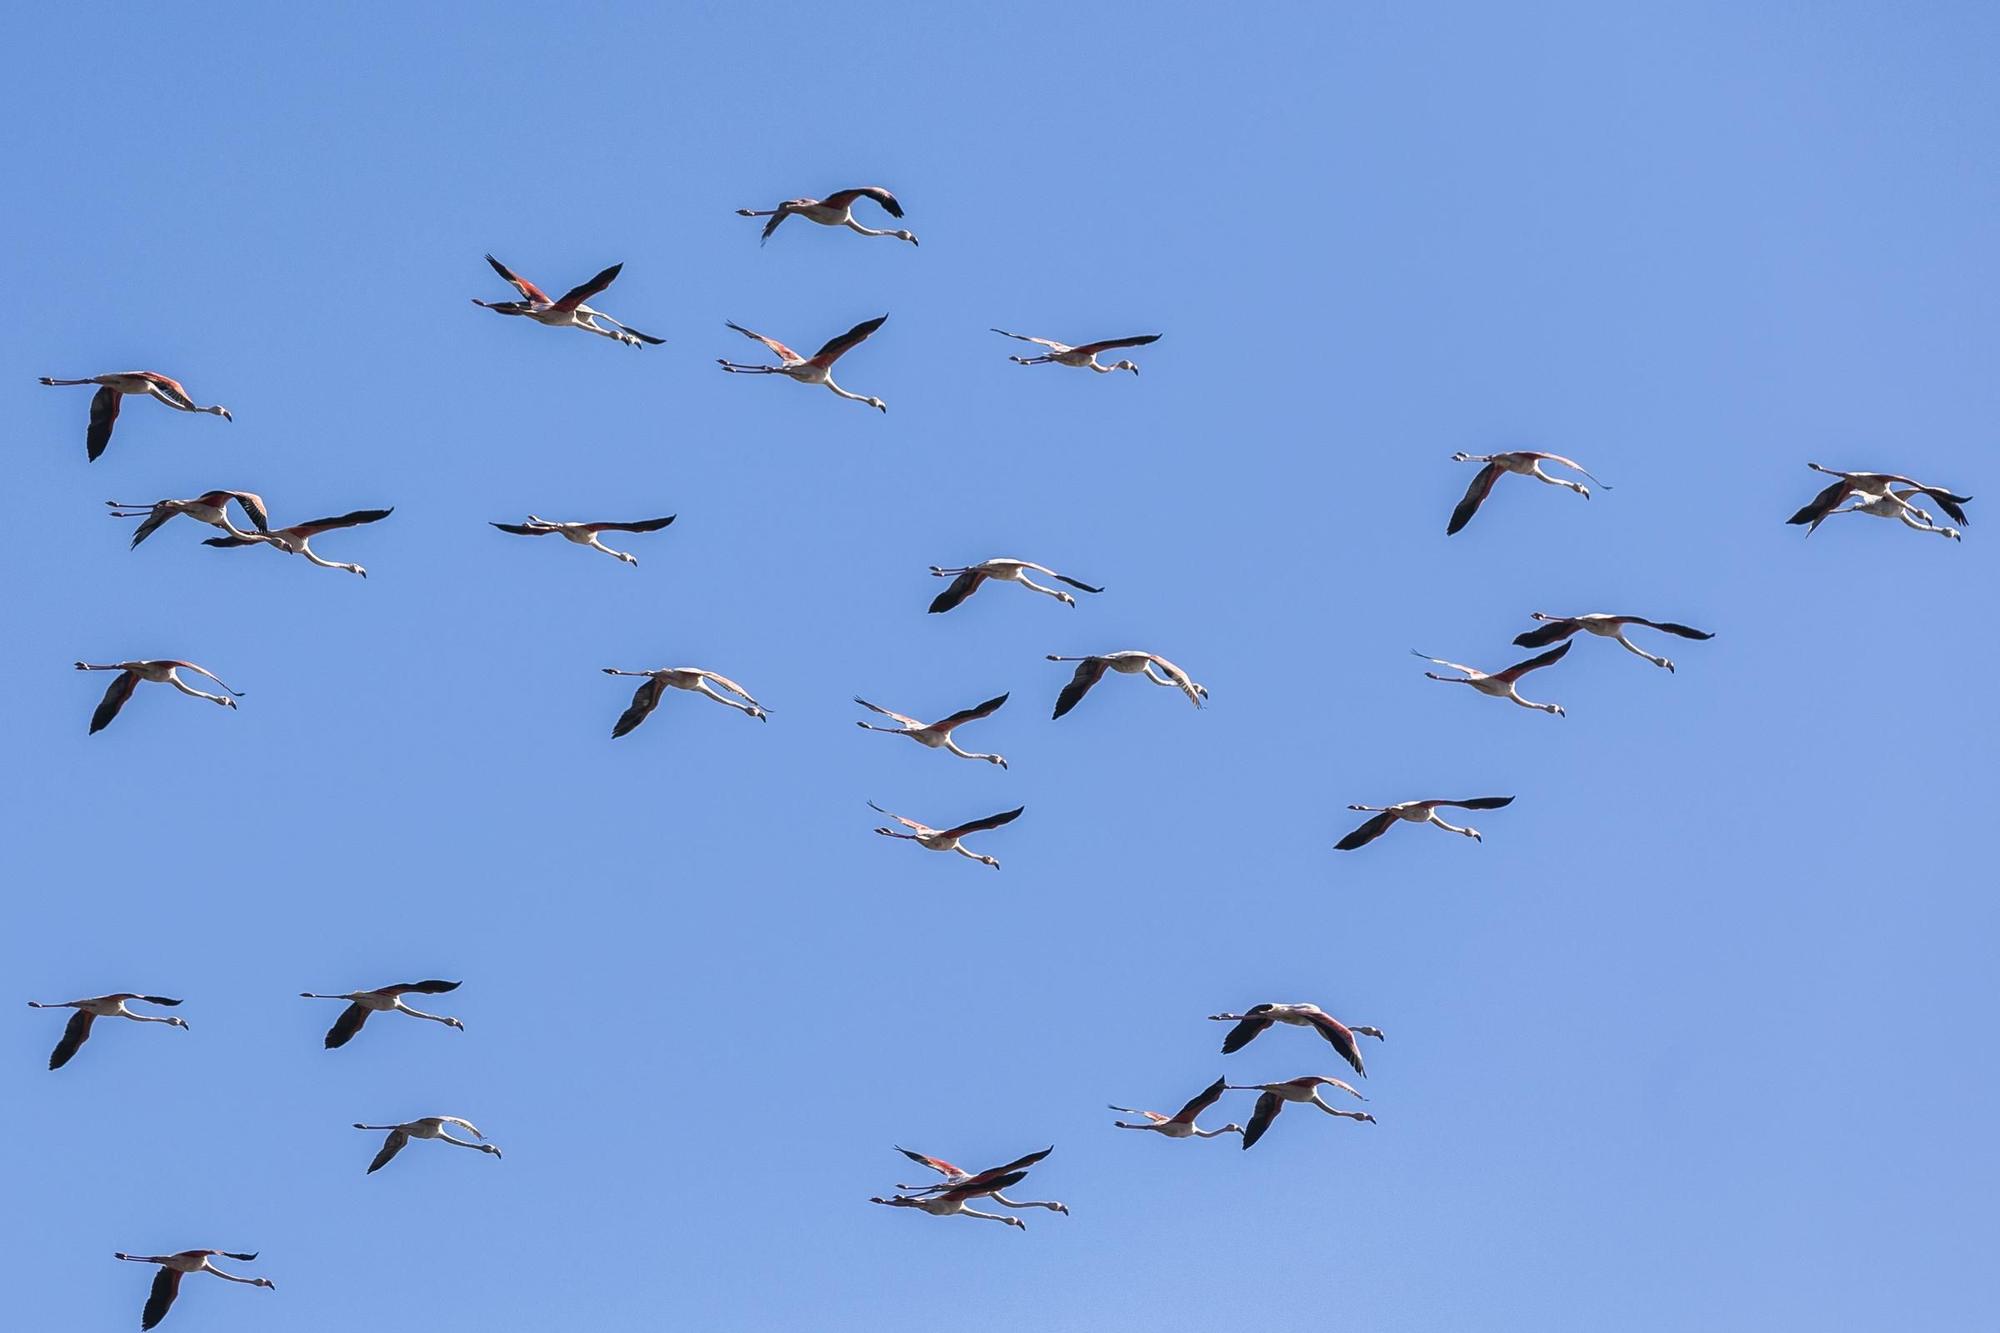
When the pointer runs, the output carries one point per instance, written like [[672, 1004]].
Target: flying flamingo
[[947, 840], [937, 735], [1130, 662], [1416, 812], [297, 539], [954, 1201], [210, 507], [1501, 684], [647, 697], [965, 581], [1884, 495], [1559, 628], [568, 312], [381, 1000], [112, 389], [1261, 1016], [167, 1282], [586, 534], [814, 369], [1180, 1125], [163, 671], [1524, 462], [430, 1127], [88, 1011], [836, 210], [1082, 356], [963, 1185], [1305, 1089]]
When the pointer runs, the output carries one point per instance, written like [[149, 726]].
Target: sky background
[[1698, 1037]]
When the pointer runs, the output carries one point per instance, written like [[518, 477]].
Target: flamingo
[[937, 735], [1501, 684], [969, 1185], [297, 539], [586, 534], [167, 1282], [1131, 662], [1082, 356], [1260, 1016], [1884, 495], [836, 210], [1526, 463], [1305, 1089], [1559, 628], [430, 1127], [965, 581], [1181, 1124], [567, 312], [164, 672], [954, 1201], [210, 507], [112, 388], [814, 369], [947, 840], [1416, 812], [88, 1011], [647, 698], [381, 1000]]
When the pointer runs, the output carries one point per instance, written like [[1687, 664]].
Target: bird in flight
[[1557, 628], [1082, 356], [381, 1000], [965, 581], [947, 840], [430, 1127], [1260, 1016], [1501, 684], [959, 1187], [88, 1011], [1130, 662], [1305, 1090], [1524, 462], [1882, 495], [836, 210], [814, 369], [173, 1267], [111, 391], [163, 672], [936, 735], [297, 539], [1416, 812], [587, 534], [658, 681], [210, 507], [567, 311], [1181, 1124]]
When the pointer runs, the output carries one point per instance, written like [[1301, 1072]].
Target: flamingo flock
[[1883, 495]]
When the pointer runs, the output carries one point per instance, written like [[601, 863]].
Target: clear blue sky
[[1699, 1037]]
